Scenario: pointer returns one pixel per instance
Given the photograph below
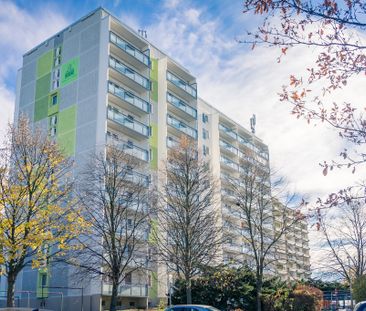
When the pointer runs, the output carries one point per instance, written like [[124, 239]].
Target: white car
[[361, 306]]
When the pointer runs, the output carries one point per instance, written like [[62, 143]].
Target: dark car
[[361, 306], [191, 308]]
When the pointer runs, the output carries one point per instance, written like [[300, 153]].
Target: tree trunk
[[113, 304], [259, 293], [188, 290], [11, 288]]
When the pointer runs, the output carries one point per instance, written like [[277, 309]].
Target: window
[[206, 150], [55, 84], [205, 134], [149, 280], [128, 278], [54, 99], [204, 118], [53, 125], [57, 57]]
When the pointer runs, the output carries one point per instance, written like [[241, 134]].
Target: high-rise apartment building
[[98, 82], [292, 251]]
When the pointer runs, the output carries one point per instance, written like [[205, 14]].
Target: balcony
[[131, 53], [132, 127], [138, 178], [181, 85], [127, 290], [231, 247], [129, 147], [226, 146], [183, 109], [171, 143], [132, 100], [229, 163], [134, 79], [181, 126], [228, 132]]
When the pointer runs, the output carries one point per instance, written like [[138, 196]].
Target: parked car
[[361, 306], [191, 308]]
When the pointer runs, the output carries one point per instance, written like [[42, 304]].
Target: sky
[[203, 37]]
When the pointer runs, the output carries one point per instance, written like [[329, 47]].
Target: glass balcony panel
[[171, 143], [181, 105], [181, 84], [128, 97], [179, 125], [227, 131], [228, 147], [124, 120], [230, 163], [128, 148], [138, 178], [130, 73], [122, 44]]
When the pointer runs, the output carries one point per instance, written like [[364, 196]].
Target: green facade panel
[[66, 130], [67, 142], [41, 108], [154, 79], [67, 120], [69, 71], [153, 292], [153, 141], [52, 109], [44, 64], [43, 86]]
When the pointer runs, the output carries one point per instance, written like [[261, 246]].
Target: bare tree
[[114, 196], [343, 231], [38, 219], [264, 214], [189, 236], [335, 31]]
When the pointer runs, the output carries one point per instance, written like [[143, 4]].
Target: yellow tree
[[38, 217]]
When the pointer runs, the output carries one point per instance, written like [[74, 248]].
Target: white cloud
[[171, 4], [19, 32], [7, 108], [247, 82]]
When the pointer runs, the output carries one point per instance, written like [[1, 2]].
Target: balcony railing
[[229, 163], [129, 73], [129, 49], [138, 178], [129, 148], [181, 126], [175, 101], [171, 143], [228, 131], [128, 97], [181, 84], [228, 147], [120, 118], [127, 290]]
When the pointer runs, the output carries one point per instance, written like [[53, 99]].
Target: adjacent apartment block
[[292, 252], [98, 82]]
